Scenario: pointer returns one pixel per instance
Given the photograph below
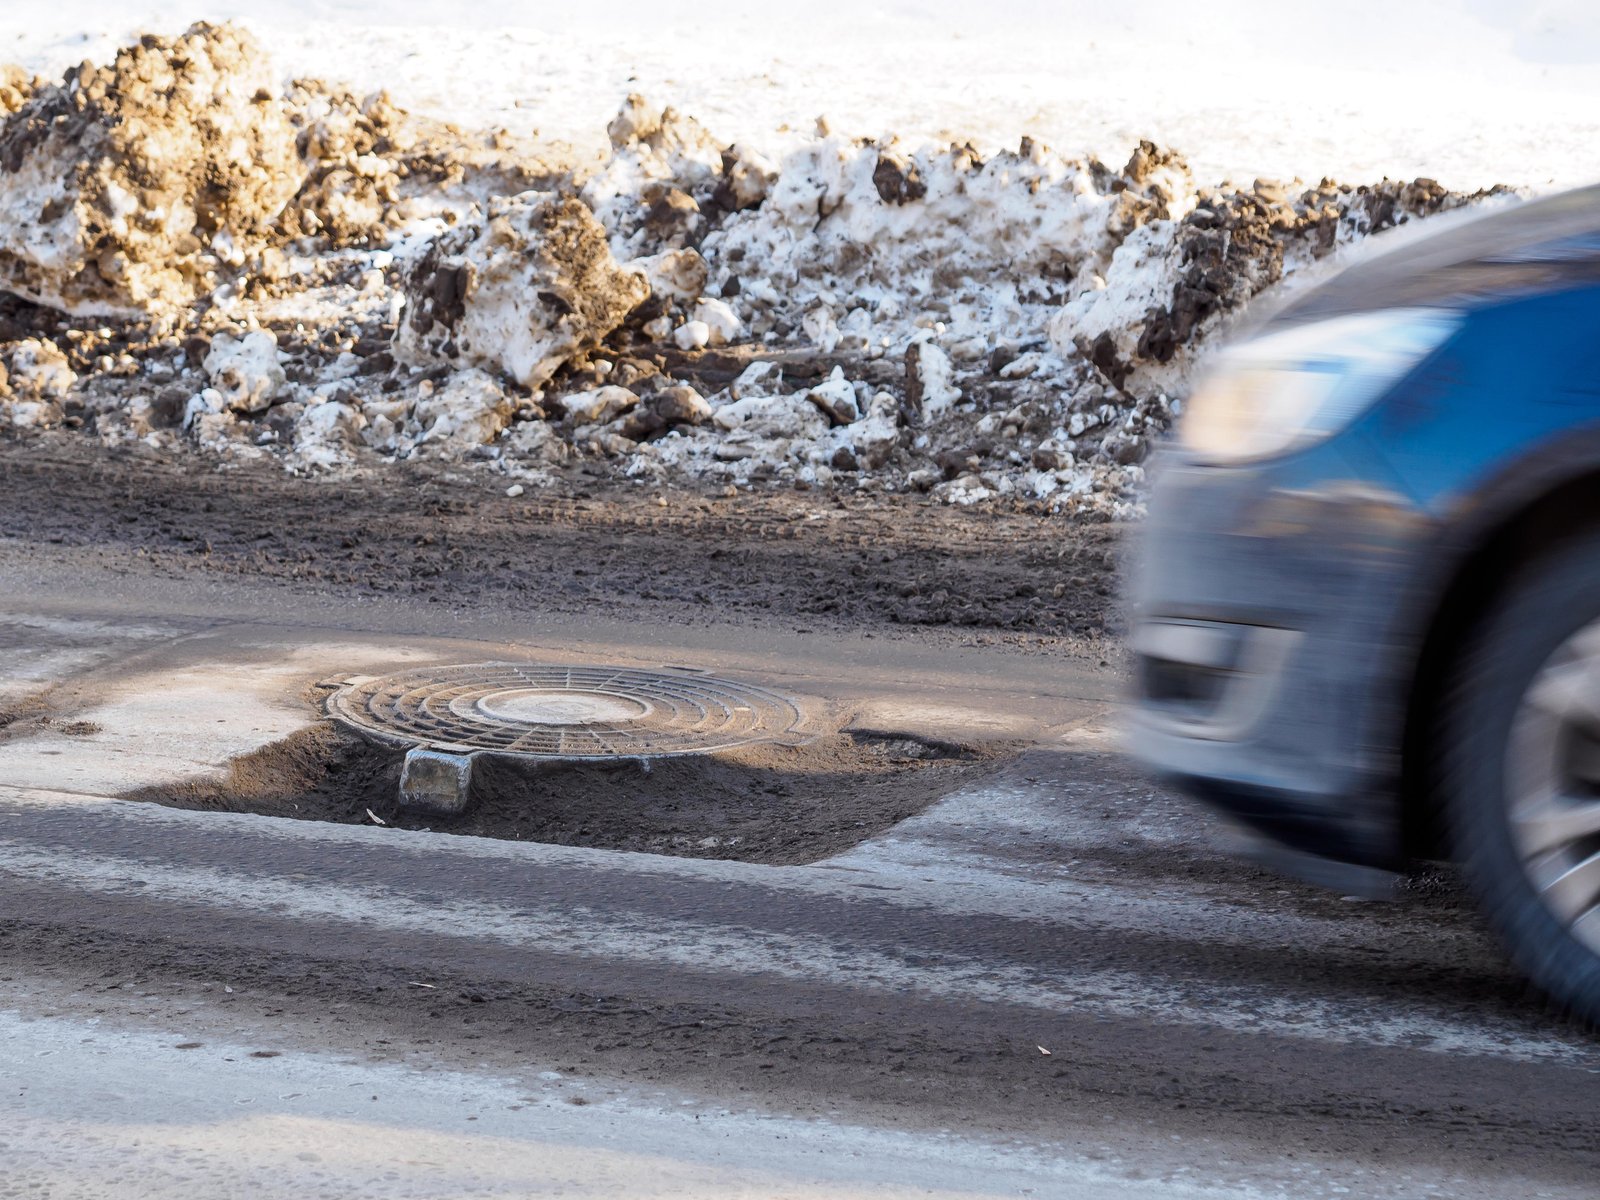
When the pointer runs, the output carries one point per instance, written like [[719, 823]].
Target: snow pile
[[522, 290], [1020, 324], [127, 185], [332, 281], [862, 244], [1166, 284]]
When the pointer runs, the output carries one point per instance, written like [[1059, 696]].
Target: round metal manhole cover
[[564, 712]]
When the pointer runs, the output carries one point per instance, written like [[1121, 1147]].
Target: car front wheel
[[1520, 749]]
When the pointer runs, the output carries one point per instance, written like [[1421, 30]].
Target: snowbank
[[843, 312]]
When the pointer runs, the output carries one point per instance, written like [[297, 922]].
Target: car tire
[[1491, 752]]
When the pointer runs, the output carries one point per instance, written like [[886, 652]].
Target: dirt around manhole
[[763, 803]]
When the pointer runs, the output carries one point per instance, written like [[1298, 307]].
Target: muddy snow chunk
[[1143, 274], [773, 417], [836, 398], [664, 168], [520, 290], [675, 275], [353, 189], [875, 436], [681, 405], [597, 406], [823, 330], [245, 370], [37, 370], [36, 378], [531, 444], [748, 177], [125, 184], [324, 436], [469, 410], [758, 379]]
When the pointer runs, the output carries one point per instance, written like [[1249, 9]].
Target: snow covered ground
[[1470, 92]]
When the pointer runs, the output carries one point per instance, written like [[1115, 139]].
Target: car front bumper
[[1269, 675]]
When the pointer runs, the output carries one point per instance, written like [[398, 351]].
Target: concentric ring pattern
[[542, 711]]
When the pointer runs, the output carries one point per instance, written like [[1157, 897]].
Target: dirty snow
[[677, 286], [522, 287], [125, 185]]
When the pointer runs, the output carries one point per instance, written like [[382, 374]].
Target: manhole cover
[[564, 712]]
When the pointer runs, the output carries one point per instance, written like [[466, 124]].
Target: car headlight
[[1284, 391]]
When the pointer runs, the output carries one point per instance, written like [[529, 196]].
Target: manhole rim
[[795, 724]]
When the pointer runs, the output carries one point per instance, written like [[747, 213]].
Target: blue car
[[1366, 610]]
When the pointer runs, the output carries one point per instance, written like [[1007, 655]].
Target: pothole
[[660, 762]]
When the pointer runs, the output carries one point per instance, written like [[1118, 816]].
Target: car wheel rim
[[1553, 784]]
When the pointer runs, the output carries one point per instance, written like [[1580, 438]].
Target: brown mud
[[803, 559], [759, 803]]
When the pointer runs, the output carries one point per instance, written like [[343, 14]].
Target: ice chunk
[[721, 322]]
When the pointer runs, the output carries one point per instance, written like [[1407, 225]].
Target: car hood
[[1540, 245]]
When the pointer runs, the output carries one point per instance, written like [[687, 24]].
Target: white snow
[[721, 322], [935, 375], [1471, 92], [692, 335]]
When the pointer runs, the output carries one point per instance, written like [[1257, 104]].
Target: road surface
[[1048, 982]]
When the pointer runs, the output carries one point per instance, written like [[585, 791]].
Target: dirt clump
[[16, 85]]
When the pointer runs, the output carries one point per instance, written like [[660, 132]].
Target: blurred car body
[[1367, 605]]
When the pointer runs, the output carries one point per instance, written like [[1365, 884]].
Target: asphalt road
[[1051, 982]]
